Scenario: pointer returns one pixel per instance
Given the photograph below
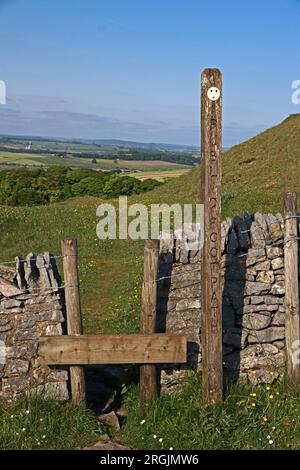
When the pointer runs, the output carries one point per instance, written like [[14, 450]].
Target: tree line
[[26, 187]]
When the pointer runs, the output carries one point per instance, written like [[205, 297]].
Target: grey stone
[[257, 299], [8, 288], [266, 277], [26, 335], [56, 390], [269, 335], [255, 321], [260, 219], [272, 300], [257, 288], [279, 344], [19, 352], [16, 367], [262, 308], [274, 252], [4, 328], [111, 420], [256, 253], [278, 288], [53, 330], [277, 263], [4, 319], [264, 266], [58, 375], [191, 291], [274, 227], [18, 384], [278, 319], [257, 236], [186, 304], [263, 376], [10, 303], [224, 235]]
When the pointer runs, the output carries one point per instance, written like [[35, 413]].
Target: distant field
[[9, 160], [160, 175]]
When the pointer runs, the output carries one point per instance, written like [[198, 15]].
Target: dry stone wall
[[253, 290], [31, 306]]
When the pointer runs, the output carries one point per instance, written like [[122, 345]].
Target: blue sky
[[130, 69]]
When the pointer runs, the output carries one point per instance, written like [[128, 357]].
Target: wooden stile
[[292, 325], [74, 321], [211, 302]]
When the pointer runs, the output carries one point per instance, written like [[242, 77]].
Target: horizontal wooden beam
[[113, 349]]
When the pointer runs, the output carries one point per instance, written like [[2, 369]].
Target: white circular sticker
[[213, 93]]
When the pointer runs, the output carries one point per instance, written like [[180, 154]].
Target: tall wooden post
[[292, 325], [211, 302], [74, 321], [148, 379]]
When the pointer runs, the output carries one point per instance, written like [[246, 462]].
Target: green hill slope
[[256, 173]]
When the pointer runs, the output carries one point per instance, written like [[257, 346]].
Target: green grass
[[243, 421], [45, 424]]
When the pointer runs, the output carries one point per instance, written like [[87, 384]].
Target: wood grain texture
[[292, 325], [74, 320], [148, 373], [113, 349], [211, 300]]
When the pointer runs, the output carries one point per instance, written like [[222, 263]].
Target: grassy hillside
[[255, 176]]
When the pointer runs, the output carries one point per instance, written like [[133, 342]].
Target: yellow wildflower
[[271, 397]]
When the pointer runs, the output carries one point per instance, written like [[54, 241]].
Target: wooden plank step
[[113, 349]]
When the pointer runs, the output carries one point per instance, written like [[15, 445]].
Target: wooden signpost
[[292, 321], [211, 302]]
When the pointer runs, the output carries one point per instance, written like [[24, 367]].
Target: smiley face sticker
[[213, 93]]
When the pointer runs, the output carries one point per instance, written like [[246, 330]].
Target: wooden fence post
[[148, 379], [292, 325], [74, 321], [211, 302]]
